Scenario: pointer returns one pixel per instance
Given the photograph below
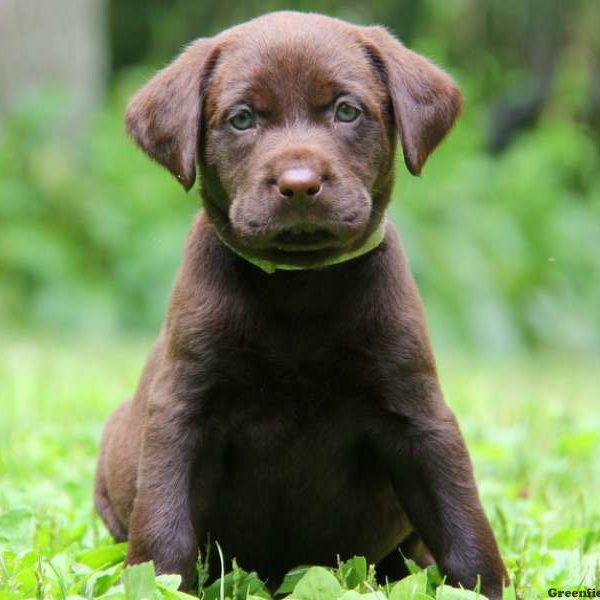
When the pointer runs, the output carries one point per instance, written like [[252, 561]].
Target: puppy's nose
[[299, 183]]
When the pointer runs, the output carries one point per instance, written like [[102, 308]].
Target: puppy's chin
[[304, 249]]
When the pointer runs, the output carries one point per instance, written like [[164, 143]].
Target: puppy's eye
[[243, 120], [346, 113]]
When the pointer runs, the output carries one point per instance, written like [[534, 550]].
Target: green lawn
[[532, 425]]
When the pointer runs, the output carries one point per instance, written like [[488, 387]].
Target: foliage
[[505, 249], [532, 428], [84, 225]]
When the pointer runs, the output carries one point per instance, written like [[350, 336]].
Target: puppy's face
[[292, 119], [298, 143]]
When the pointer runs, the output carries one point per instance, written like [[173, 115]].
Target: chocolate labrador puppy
[[290, 408]]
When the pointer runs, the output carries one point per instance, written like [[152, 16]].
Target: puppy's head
[[292, 120]]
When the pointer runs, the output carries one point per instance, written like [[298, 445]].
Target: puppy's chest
[[280, 403], [285, 427], [279, 436]]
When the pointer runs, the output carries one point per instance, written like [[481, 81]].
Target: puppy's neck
[[271, 267]]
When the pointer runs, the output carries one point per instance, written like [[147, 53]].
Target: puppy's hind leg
[[104, 507], [102, 501]]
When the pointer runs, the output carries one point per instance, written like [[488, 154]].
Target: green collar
[[270, 267]]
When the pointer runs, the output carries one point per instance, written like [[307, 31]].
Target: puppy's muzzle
[[301, 187]]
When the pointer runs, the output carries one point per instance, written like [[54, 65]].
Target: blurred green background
[[503, 228]]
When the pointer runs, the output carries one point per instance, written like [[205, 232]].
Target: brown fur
[[293, 416]]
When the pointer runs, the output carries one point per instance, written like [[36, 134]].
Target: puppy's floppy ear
[[164, 116], [426, 101]]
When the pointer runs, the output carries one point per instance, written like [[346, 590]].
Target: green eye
[[346, 112], [243, 120]]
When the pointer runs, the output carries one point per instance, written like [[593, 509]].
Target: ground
[[531, 422]]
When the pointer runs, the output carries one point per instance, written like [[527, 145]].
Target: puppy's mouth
[[304, 238]]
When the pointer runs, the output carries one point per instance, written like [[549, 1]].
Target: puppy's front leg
[[432, 474], [162, 525]]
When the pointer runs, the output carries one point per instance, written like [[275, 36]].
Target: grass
[[532, 425]]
